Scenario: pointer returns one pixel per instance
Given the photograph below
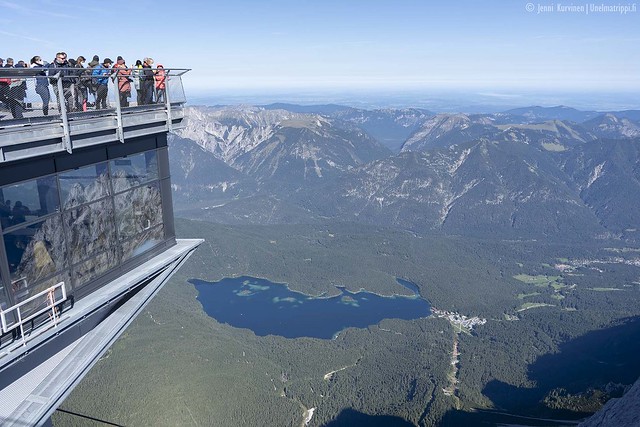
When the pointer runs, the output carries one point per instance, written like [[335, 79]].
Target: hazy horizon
[[472, 101]]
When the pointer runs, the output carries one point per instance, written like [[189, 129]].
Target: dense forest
[[547, 306]]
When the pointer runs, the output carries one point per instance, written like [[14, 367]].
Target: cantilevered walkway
[[86, 222]]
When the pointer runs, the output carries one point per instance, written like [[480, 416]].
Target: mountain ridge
[[457, 173]]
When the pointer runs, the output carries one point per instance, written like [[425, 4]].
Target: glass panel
[[84, 185], [4, 298], [95, 267], [175, 89], [138, 210], [142, 242], [134, 170], [29, 200], [90, 229], [36, 251]]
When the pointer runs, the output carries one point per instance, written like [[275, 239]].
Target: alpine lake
[[269, 308]]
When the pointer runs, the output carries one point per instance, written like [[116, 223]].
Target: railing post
[[3, 320], [167, 102], [66, 138], [119, 130], [24, 341]]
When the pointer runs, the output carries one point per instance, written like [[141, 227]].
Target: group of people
[[78, 81]]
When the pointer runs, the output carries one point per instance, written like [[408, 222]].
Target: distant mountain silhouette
[[560, 112]]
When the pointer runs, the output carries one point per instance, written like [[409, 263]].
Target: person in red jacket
[[124, 81], [161, 83]]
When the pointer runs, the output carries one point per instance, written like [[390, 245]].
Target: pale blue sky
[[341, 44]]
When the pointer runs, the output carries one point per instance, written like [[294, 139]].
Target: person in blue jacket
[[101, 78]]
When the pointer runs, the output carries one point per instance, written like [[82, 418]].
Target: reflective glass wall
[[3, 298], [76, 226]]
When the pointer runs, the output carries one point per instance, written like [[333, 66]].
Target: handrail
[[51, 303], [20, 73], [53, 104], [25, 91]]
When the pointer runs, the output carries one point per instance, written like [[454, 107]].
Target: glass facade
[[84, 185], [3, 297], [76, 226], [28, 200]]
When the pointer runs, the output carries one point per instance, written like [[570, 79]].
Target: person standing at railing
[[101, 79], [4, 85], [42, 85], [148, 80], [124, 81], [161, 83], [137, 75], [93, 64], [12, 92], [61, 66], [81, 85]]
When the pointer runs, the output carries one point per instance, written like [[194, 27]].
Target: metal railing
[[77, 110], [29, 94], [39, 89], [49, 302]]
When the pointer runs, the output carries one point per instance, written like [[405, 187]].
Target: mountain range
[[526, 173]]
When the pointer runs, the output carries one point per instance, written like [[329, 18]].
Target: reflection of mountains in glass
[[269, 308]]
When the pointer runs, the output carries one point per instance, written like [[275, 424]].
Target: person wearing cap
[[95, 61], [101, 78]]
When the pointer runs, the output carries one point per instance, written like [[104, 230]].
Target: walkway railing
[[39, 303], [65, 97]]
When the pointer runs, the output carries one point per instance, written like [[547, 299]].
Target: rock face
[[197, 175], [444, 130], [485, 175], [612, 126], [391, 127], [622, 412], [278, 146], [479, 188]]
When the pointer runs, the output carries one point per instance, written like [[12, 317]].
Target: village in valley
[[457, 319]]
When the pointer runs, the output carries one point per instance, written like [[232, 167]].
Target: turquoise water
[[269, 308]]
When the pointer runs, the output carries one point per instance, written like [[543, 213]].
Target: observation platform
[[86, 221], [77, 123]]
